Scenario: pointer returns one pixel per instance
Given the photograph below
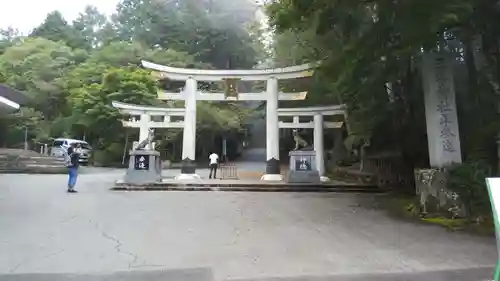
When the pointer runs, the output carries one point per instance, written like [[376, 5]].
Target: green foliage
[[92, 26], [25, 118], [36, 66], [365, 46], [56, 28], [451, 224], [468, 181], [111, 155], [198, 27], [93, 102], [72, 71]]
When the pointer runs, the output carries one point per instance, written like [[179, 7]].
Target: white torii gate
[[191, 94], [144, 123], [318, 124]]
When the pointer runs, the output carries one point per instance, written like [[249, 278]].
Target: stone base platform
[[247, 185]]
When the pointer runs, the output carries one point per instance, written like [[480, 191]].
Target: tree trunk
[[472, 76]]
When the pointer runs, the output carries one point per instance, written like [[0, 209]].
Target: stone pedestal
[[303, 167], [188, 170], [135, 144], [144, 167], [431, 187]]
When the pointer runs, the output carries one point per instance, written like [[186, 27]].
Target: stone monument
[[318, 125], [144, 164], [443, 134], [303, 168]]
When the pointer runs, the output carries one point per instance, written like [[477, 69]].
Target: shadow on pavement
[[193, 274], [471, 274]]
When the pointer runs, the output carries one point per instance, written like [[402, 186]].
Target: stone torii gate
[[318, 124], [190, 94]]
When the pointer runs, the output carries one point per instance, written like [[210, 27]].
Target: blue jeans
[[73, 174]]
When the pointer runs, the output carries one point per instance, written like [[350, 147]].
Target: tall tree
[[189, 26], [56, 28], [37, 67], [93, 26], [8, 37]]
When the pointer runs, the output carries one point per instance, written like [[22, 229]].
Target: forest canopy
[[72, 71]]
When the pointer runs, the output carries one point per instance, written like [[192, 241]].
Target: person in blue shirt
[[73, 153]]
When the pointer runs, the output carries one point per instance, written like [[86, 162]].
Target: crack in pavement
[[68, 219], [119, 246], [28, 259], [134, 258], [17, 266], [32, 258]]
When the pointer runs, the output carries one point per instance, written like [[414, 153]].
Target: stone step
[[19, 161], [25, 163], [34, 170], [354, 175], [26, 158], [249, 185], [21, 164]]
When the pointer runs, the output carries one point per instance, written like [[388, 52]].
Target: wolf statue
[[299, 141], [148, 141]]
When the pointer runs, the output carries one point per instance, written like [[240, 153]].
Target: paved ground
[[232, 235]]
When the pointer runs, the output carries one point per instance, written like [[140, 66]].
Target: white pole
[[224, 149], [318, 143], [26, 138], [125, 147], [272, 132], [189, 134], [143, 127]]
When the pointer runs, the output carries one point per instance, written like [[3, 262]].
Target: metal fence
[[228, 171]]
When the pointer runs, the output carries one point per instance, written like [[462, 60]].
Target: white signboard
[[493, 185], [440, 110]]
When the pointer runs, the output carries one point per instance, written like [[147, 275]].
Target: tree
[[8, 37], [37, 66], [56, 28], [74, 71], [367, 45], [190, 26], [92, 103], [371, 50], [93, 26]]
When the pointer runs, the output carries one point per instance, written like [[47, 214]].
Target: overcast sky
[[27, 14]]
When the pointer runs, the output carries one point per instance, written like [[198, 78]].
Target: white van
[[61, 145]]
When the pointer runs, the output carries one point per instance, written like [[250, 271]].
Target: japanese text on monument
[[444, 107]]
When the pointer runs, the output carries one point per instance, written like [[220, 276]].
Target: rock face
[[29, 162]]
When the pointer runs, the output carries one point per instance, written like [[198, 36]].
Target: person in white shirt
[[214, 159]]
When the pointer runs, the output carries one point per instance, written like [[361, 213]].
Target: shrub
[[468, 181]]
